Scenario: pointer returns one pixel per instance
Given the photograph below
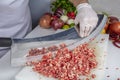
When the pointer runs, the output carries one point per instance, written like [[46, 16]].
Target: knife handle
[[5, 42]]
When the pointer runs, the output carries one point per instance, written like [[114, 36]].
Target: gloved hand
[[86, 18]]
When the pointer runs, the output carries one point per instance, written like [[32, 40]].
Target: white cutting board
[[100, 45]]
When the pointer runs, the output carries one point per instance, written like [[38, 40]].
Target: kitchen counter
[[112, 67]]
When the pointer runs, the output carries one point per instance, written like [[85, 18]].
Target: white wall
[[112, 7]]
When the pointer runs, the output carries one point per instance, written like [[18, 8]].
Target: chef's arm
[[77, 2]]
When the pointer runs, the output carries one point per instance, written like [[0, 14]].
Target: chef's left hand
[[86, 18]]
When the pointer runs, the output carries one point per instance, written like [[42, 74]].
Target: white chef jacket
[[15, 19]]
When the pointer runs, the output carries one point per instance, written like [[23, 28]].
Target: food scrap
[[108, 75]]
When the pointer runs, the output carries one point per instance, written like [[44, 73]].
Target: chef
[[15, 19]]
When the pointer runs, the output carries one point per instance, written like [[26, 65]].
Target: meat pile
[[36, 51], [66, 64]]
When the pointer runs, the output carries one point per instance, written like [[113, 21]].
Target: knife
[[20, 47], [64, 35]]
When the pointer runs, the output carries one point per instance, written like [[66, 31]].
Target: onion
[[57, 24], [115, 28], [70, 21], [64, 18], [116, 43], [45, 20], [58, 12], [113, 19]]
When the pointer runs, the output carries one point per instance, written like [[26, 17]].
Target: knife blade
[[66, 35], [22, 46]]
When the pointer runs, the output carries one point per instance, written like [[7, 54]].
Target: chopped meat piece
[[67, 64]]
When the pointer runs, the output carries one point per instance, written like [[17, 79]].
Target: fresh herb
[[64, 4]]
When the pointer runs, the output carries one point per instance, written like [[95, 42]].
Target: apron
[[15, 19]]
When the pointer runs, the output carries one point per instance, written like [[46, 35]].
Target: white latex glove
[[86, 18]]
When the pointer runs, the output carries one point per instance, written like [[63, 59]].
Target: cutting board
[[100, 46]]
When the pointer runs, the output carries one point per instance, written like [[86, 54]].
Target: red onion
[[114, 28], [57, 24], [117, 43]]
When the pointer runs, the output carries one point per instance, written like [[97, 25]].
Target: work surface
[[112, 67]]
